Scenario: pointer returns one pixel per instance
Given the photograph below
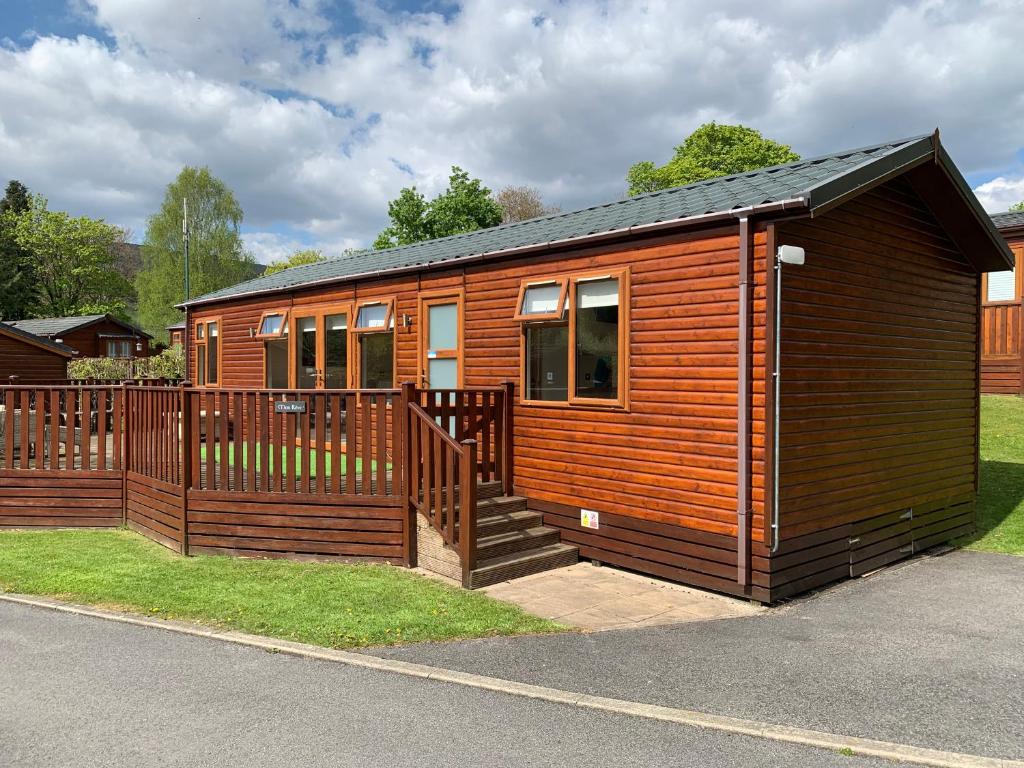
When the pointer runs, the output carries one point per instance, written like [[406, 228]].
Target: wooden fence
[[61, 456], [273, 473]]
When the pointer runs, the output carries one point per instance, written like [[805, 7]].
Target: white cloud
[[272, 246], [560, 94], [1000, 193]]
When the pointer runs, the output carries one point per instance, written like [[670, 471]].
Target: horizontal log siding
[[42, 498], [30, 363], [878, 377], [294, 526]]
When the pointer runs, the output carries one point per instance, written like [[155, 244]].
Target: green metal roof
[[1008, 219], [809, 184]]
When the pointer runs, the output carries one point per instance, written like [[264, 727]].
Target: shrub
[[169, 364]]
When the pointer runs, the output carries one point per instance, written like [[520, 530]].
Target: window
[[596, 351], [208, 353], [119, 348], [1002, 286], [276, 364], [574, 347], [542, 300], [272, 324], [374, 316], [376, 360]]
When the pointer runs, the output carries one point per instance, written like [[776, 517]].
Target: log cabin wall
[[662, 470], [879, 417], [1002, 324], [29, 362]]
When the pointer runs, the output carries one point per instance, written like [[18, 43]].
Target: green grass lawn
[[299, 453], [334, 605], [1001, 498]]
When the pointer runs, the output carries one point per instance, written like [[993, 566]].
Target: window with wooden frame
[[575, 342], [374, 335], [1003, 287], [208, 352], [542, 299], [272, 324]]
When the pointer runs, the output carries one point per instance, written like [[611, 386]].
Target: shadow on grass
[[1000, 507]]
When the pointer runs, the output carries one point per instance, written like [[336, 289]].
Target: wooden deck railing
[[442, 477], [293, 441], [154, 456], [69, 428], [483, 414]]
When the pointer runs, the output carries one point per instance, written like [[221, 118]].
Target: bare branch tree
[[519, 203]]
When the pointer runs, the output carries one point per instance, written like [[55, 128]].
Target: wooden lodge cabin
[[31, 358], [91, 335], [1002, 324], [672, 416]]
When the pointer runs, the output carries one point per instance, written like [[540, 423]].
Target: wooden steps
[[512, 541]]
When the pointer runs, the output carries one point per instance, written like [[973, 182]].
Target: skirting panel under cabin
[[299, 525], [38, 498], [879, 376]]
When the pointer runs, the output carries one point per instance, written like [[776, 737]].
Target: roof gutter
[[523, 250]]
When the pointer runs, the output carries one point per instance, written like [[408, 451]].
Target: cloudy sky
[[316, 113]]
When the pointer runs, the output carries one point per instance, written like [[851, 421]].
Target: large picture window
[[575, 339]]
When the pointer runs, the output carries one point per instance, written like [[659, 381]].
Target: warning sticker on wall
[[589, 519]]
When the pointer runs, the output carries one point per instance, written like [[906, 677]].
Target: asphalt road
[[78, 691], [930, 653]]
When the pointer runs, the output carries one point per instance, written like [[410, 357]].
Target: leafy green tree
[[297, 259], [73, 260], [711, 150], [465, 206], [1017, 206], [18, 287], [216, 256]]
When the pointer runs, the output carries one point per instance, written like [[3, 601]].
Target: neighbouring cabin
[[91, 335], [176, 334], [30, 358], [1002, 323]]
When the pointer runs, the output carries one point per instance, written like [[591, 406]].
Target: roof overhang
[[35, 341]]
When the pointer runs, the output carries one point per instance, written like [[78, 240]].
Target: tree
[[465, 206], [297, 259], [711, 150], [17, 271], [522, 203], [1017, 206], [216, 256], [74, 262]]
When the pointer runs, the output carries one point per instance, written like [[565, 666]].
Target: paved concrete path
[[78, 691], [930, 653], [597, 599]]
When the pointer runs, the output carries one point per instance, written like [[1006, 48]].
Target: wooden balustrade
[[69, 428], [315, 442], [442, 482]]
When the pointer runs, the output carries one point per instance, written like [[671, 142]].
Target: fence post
[[185, 474], [508, 470], [467, 511], [126, 449], [409, 509]]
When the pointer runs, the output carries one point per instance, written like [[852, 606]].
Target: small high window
[[374, 316], [543, 300], [272, 324], [1002, 286]]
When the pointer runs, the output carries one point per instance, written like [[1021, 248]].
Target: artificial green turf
[[1000, 511], [334, 605], [273, 456]]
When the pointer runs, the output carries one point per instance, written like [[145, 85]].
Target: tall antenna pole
[[184, 232]]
